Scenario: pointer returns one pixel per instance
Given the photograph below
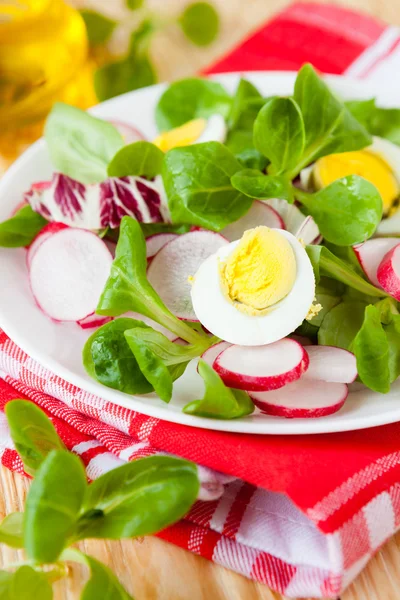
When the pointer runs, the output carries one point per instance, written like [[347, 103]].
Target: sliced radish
[[68, 272], [388, 273], [370, 254], [130, 133], [155, 242], [301, 339], [211, 353], [168, 334], [329, 363], [301, 399], [308, 231], [172, 267], [93, 320], [259, 214], [262, 368], [46, 232]]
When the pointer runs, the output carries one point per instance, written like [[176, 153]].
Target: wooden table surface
[[153, 569]]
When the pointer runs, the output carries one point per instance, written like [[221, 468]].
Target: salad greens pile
[[62, 508], [270, 140]]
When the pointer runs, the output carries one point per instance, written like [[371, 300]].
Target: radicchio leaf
[[99, 205]]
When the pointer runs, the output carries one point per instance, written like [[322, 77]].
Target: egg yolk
[[364, 163], [181, 136], [260, 271]]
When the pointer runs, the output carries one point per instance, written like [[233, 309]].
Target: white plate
[[58, 346]]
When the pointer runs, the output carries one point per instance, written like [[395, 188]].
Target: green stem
[[73, 555], [355, 282], [303, 197]]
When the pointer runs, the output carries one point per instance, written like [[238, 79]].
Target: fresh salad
[[256, 235]]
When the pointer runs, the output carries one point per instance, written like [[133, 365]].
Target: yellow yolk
[[260, 271], [365, 163], [181, 136]]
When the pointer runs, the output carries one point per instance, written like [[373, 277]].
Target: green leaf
[[392, 331], [99, 27], [108, 358], [347, 211], [197, 181], [246, 104], [140, 158], [134, 4], [53, 505], [21, 229], [341, 325], [80, 145], [383, 122], [255, 184], [200, 23], [102, 583], [371, 348], [329, 126], [127, 288], [279, 134], [189, 99], [125, 75], [240, 143], [326, 263], [328, 293], [32, 432], [149, 229], [170, 352], [219, 401], [139, 498], [11, 530], [26, 583], [5, 580]]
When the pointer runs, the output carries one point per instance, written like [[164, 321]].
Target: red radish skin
[[93, 320], [171, 268], [155, 242], [130, 133], [46, 232], [332, 364], [262, 368], [68, 273], [259, 214], [371, 253], [211, 353], [302, 399], [388, 273]]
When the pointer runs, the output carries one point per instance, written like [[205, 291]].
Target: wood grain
[[152, 569]]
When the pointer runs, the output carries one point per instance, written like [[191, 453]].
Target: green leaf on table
[[53, 505], [383, 122], [279, 134], [108, 358], [329, 125], [219, 401], [11, 530], [142, 158], [197, 181], [139, 498], [26, 583], [125, 75], [189, 99], [240, 143], [347, 211], [99, 27], [134, 4], [255, 184], [200, 23], [341, 325], [32, 432], [127, 288], [80, 146], [325, 263], [246, 104], [21, 229], [102, 583], [371, 348]]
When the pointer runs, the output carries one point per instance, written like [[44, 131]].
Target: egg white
[[219, 316]]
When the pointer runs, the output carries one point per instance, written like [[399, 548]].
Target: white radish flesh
[[129, 133], [259, 214], [370, 254], [68, 273], [302, 399], [294, 220], [211, 353], [388, 273], [46, 232], [308, 231], [155, 242], [262, 368], [93, 320], [171, 268], [329, 363]]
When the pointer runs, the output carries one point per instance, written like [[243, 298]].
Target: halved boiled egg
[[255, 290], [193, 132]]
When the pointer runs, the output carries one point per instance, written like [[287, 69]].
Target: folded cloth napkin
[[302, 514]]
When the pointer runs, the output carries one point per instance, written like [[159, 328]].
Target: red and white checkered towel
[[302, 514]]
